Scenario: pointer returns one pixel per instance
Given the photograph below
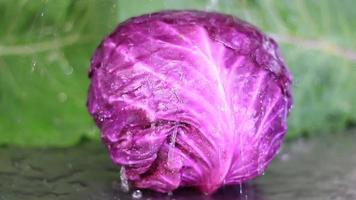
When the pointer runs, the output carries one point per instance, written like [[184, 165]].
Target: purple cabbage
[[189, 98]]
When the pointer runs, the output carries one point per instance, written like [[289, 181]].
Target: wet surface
[[318, 168]]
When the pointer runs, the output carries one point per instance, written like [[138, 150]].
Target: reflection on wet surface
[[318, 168]]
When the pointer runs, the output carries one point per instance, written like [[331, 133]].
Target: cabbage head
[[189, 98]]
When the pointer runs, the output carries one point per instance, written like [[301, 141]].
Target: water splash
[[34, 63], [62, 97], [241, 190], [212, 5], [123, 180], [137, 194], [68, 70]]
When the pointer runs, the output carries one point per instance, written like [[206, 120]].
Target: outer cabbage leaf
[[189, 98]]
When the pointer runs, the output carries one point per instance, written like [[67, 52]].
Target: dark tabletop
[[315, 168]]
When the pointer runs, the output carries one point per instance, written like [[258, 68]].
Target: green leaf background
[[46, 45]]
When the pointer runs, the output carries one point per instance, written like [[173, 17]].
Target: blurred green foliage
[[46, 45]]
